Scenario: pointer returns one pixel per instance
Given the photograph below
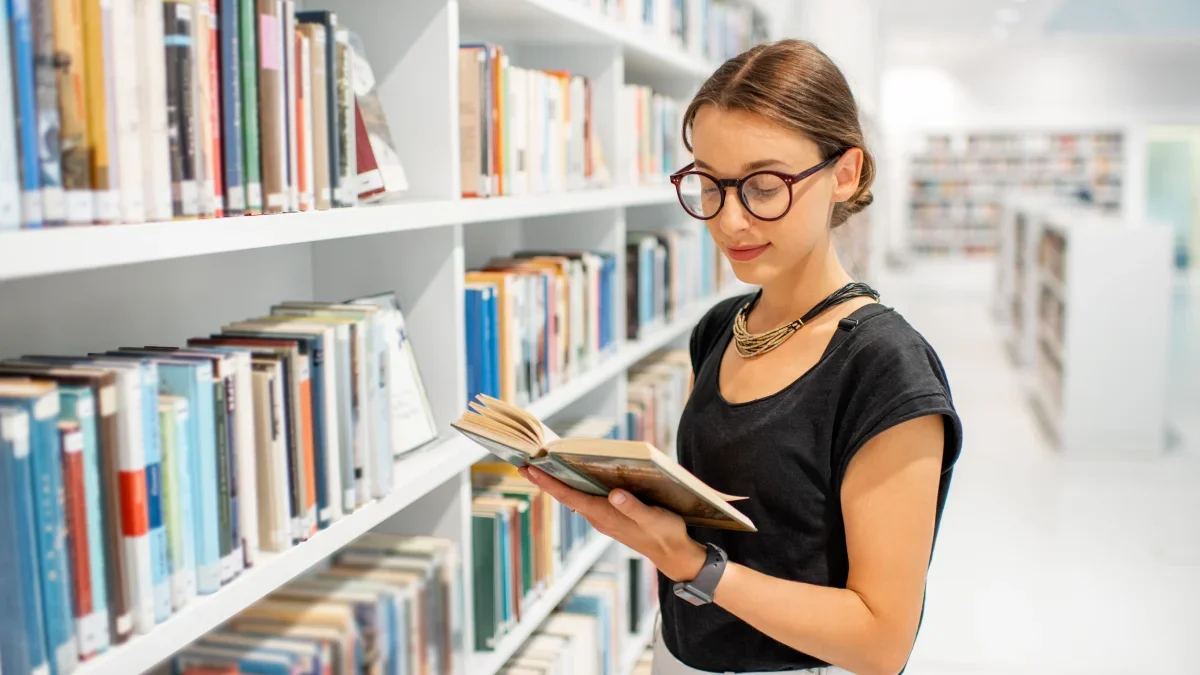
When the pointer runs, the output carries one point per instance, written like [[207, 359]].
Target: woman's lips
[[745, 253]]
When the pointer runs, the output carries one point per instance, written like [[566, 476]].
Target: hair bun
[[861, 202]]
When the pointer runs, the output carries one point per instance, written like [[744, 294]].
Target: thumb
[[630, 506]]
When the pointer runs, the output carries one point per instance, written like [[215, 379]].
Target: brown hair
[[796, 85]]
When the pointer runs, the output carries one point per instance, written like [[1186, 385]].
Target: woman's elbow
[[888, 655]]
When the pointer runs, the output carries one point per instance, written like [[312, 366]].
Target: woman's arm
[[889, 500]]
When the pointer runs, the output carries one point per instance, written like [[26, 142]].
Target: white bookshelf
[[80, 289], [1095, 330], [637, 643]]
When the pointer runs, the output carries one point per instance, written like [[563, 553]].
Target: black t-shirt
[[788, 453]]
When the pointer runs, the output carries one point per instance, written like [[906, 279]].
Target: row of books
[[520, 539], [142, 477], [176, 109], [658, 389], [713, 29], [535, 320], [653, 135], [642, 593], [524, 131], [386, 604], [667, 271]]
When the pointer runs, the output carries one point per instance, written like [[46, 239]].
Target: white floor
[[1046, 566]]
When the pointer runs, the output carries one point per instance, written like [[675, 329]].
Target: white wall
[[848, 31]]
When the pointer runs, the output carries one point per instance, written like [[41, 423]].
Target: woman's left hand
[[656, 533]]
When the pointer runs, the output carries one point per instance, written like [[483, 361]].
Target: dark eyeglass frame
[[723, 184]]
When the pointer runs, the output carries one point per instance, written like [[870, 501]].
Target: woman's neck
[[791, 295]]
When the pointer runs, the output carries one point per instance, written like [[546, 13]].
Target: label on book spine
[[73, 443], [235, 199], [31, 207], [276, 201], [46, 407], [85, 409], [108, 401], [305, 201], [93, 632], [108, 205], [188, 196], [54, 201], [79, 206], [254, 194]]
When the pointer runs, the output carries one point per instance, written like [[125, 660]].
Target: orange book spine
[[216, 154], [498, 78], [301, 126], [307, 448], [75, 511]]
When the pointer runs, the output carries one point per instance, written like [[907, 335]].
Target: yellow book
[[95, 77]]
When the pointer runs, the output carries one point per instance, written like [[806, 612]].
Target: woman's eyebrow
[[751, 166]]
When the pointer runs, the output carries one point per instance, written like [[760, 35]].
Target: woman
[[840, 427]]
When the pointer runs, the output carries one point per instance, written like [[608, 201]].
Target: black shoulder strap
[[847, 325]]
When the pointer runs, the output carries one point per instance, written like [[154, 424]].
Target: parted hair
[[792, 83]]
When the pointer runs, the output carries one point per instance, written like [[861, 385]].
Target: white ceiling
[[1039, 19]]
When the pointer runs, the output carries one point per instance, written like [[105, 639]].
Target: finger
[[629, 506], [565, 494]]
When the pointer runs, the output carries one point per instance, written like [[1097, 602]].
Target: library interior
[[283, 283]]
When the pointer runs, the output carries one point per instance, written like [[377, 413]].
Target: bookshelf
[[1095, 372], [87, 288], [958, 181]]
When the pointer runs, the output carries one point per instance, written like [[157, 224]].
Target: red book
[[70, 437], [215, 154], [370, 180], [301, 130]]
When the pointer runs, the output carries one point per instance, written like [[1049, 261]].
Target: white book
[[289, 91], [247, 481], [346, 118], [202, 91], [156, 154], [275, 522], [10, 178], [127, 95], [307, 196]]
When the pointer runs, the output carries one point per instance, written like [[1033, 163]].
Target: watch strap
[[710, 574]]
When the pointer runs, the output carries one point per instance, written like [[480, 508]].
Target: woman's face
[[731, 144]]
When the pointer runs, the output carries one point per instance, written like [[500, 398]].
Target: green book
[[252, 162], [485, 531]]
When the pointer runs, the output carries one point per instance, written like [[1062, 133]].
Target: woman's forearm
[[832, 624]]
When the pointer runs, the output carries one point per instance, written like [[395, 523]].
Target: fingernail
[[618, 497]]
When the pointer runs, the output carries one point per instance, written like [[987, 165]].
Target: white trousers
[[665, 662]]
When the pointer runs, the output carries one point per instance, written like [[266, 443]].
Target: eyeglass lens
[[765, 194]]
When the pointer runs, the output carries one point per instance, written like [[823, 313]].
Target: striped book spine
[[10, 174], [231, 106], [54, 208], [26, 99], [135, 524]]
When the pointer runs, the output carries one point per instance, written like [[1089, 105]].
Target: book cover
[[178, 44], [25, 93], [272, 114], [348, 166], [291, 132], [229, 35], [54, 207], [304, 117], [96, 81], [10, 174], [22, 636], [248, 78], [39, 400], [318, 114], [376, 137], [332, 147], [156, 143]]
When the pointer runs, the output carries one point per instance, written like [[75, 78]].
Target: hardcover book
[[54, 208], [597, 466]]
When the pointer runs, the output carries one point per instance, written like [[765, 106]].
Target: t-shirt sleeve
[[890, 380], [709, 329]]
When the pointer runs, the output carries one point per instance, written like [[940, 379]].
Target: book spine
[[346, 420], [75, 512], [135, 516], [348, 163], [308, 168], [80, 407], [25, 91], [247, 474], [320, 448], [270, 93], [204, 483], [303, 129], [248, 76], [22, 636], [291, 129], [10, 174], [231, 107], [174, 422], [224, 495], [74, 139], [128, 105], [202, 105], [369, 181], [120, 606], [108, 205], [53, 573], [471, 329], [282, 470], [307, 448], [160, 566], [236, 503], [104, 202], [177, 42], [54, 208], [156, 145], [319, 157], [216, 156]]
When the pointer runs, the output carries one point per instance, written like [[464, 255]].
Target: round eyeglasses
[[766, 195]]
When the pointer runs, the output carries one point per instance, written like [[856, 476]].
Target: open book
[[597, 465]]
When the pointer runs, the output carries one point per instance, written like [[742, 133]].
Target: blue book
[[231, 107], [40, 401], [491, 345], [594, 605], [10, 172], [22, 636], [25, 87], [472, 316], [248, 661], [79, 405]]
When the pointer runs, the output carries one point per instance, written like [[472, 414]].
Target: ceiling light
[[1008, 15]]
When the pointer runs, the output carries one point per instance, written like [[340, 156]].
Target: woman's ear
[[846, 172]]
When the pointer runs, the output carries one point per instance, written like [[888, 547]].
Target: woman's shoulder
[[887, 346], [708, 331]]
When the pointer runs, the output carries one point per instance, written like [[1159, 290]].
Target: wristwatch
[[699, 591]]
